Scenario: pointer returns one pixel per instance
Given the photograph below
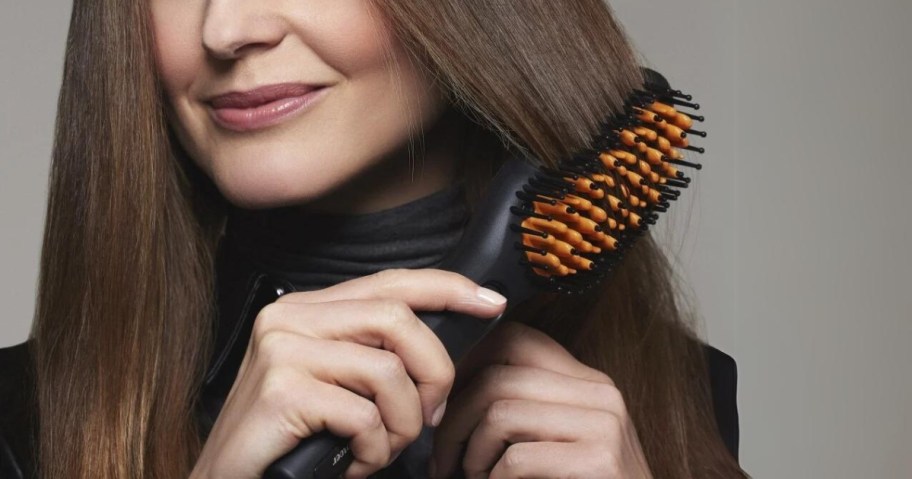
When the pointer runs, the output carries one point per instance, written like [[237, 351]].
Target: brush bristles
[[577, 220]]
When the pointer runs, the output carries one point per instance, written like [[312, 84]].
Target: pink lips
[[262, 107]]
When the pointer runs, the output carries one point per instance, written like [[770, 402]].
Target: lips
[[264, 106]]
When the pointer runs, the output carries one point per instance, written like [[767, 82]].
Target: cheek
[[178, 52], [379, 103], [179, 58]]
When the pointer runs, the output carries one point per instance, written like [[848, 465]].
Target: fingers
[[516, 421], [352, 359], [519, 382], [372, 373], [386, 324], [425, 289], [500, 382], [346, 415], [514, 343], [543, 460]]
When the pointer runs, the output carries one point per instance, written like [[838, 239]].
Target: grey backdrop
[[794, 239]]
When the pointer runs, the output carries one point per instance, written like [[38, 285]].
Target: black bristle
[[521, 229], [535, 264], [675, 101], [688, 164], [539, 251], [539, 191], [675, 183], [527, 197], [576, 169], [679, 94], [560, 185], [557, 174], [527, 213]]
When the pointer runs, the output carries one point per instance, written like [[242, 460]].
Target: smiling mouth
[[263, 107]]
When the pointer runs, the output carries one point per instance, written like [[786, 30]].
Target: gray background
[[793, 240]]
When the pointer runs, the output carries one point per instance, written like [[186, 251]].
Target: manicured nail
[[490, 296], [438, 414]]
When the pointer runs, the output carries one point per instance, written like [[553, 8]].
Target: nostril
[[230, 32]]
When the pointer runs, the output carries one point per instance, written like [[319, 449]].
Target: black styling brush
[[545, 229]]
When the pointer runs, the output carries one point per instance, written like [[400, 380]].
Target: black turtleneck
[[316, 250]]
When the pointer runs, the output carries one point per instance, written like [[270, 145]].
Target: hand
[[529, 409], [353, 359]]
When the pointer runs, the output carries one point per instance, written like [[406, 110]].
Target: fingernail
[[490, 296], [438, 414]]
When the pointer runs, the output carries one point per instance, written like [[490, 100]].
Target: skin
[[354, 358]]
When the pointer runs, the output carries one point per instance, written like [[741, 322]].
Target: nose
[[233, 27]]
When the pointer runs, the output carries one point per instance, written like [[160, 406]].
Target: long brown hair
[[125, 305]]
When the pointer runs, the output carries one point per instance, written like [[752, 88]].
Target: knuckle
[[611, 465], [604, 377], [390, 278], [513, 458], [406, 435], [288, 297], [275, 389], [265, 320], [271, 346], [414, 430], [448, 373], [610, 396], [499, 412], [609, 426], [389, 366], [460, 280], [367, 416], [395, 312]]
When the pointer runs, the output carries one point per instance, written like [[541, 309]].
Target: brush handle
[[325, 455], [321, 456]]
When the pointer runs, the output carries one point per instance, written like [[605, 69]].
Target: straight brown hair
[[124, 312]]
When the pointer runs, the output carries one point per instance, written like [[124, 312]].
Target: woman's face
[[292, 144]]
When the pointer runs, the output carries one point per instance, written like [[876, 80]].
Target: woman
[[200, 141]]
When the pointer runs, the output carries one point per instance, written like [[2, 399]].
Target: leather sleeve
[[9, 465], [16, 413], [723, 379]]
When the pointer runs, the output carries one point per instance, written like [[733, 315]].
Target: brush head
[[577, 220]]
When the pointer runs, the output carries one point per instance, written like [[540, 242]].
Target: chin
[[261, 185]]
